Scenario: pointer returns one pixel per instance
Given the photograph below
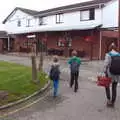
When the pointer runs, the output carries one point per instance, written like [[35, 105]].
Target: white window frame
[[84, 15], [19, 23], [41, 22], [59, 18], [28, 21]]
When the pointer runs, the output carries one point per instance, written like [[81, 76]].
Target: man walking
[[74, 62]]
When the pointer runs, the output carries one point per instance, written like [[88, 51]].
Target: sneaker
[[54, 96], [109, 103], [112, 104], [75, 90]]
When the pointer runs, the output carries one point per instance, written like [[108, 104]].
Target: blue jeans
[[55, 87]]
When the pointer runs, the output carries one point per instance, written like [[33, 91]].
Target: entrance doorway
[[5, 45]]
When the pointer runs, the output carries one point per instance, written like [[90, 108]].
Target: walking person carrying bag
[[112, 70], [74, 63], [55, 75]]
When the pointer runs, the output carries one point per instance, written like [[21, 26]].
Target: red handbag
[[103, 81]]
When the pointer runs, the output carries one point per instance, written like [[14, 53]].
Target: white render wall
[[70, 19], [11, 24], [110, 14]]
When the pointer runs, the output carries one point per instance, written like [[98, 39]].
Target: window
[[59, 18], [18, 23], [87, 14], [84, 15], [41, 21], [28, 22], [61, 42], [92, 14], [69, 43]]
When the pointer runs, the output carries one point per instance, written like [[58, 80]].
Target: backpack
[[54, 73], [115, 64], [74, 67]]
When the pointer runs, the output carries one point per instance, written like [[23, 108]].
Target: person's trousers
[[114, 92], [55, 87], [74, 79]]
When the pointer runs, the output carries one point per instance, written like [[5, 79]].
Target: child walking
[[55, 75]]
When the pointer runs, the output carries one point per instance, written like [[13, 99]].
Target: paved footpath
[[88, 103]]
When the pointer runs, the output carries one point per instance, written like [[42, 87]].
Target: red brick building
[[90, 44], [86, 42], [85, 27]]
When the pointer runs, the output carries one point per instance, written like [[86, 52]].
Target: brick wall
[[23, 44], [78, 41]]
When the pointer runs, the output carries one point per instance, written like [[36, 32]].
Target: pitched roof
[[67, 8], [83, 5], [28, 11]]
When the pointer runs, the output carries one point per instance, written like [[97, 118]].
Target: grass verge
[[16, 82]]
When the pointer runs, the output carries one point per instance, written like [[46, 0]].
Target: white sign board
[[31, 36]]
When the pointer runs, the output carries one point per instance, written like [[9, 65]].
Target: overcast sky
[[6, 6]]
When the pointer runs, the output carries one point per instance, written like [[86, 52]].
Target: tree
[[40, 67], [34, 70]]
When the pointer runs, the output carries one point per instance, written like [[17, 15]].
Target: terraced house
[[89, 27]]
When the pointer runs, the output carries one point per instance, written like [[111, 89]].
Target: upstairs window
[[92, 14], [28, 22], [84, 15], [41, 21], [18, 23], [59, 18], [87, 14]]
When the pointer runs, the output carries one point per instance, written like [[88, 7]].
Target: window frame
[[60, 43], [28, 22], [19, 23], [91, 14], [81, 15], [42, 22], [58, 18]]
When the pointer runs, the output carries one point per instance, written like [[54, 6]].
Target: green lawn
[[16, 80]]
